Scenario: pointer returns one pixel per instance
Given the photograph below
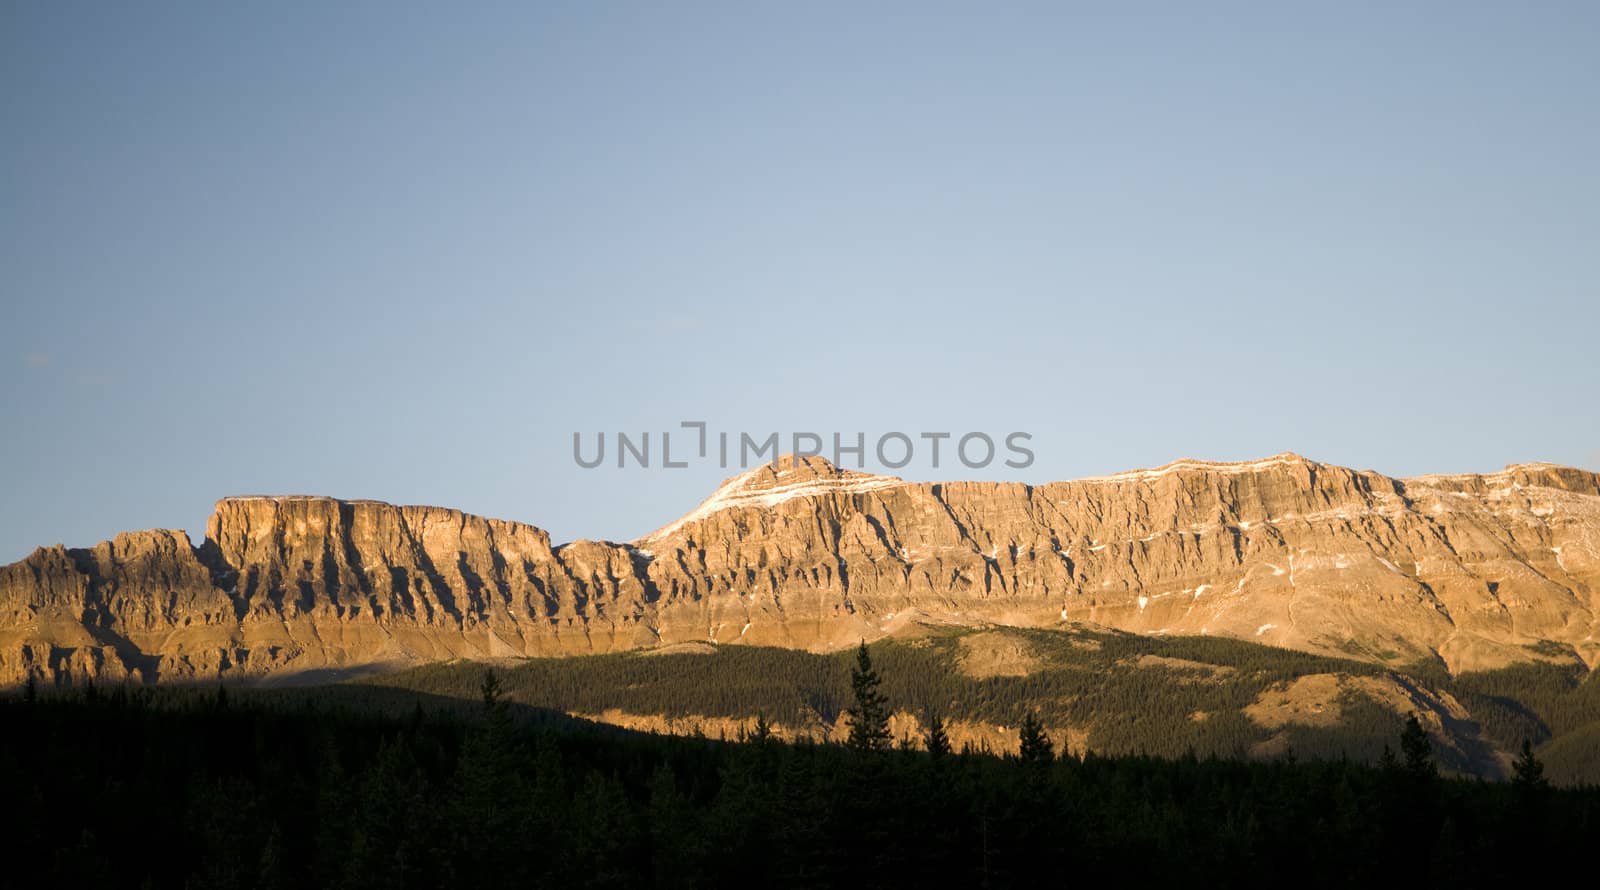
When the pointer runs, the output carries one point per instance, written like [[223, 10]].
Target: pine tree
[[937, 741], [1389, 763], [869, 719], [490, 690], [1531, 792], [1036, 745], [1418, 750], [762, 731], [1528, 776], [489, 791]]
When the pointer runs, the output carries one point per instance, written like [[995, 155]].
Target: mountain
[[1480, 571]]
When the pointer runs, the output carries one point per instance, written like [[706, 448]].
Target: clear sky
[[403, 250]]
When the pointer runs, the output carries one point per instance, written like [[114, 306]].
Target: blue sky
[[404, 251]]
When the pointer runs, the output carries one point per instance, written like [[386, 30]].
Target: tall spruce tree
[[1389, 763], [491, 692], [869, 719], [937, 740], [1417, 750], [1036, 745], [1528, 773], [489, 793]]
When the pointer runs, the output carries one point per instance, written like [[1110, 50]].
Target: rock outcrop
[[1481, 570]]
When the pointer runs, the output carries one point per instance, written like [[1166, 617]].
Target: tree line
[[233, 788]]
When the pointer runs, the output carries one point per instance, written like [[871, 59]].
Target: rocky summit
[[1477, 570]]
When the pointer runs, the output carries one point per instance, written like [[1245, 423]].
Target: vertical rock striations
[[1481, 570]]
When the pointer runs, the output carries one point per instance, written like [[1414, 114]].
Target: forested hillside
[[212, 789], [1107, 692]]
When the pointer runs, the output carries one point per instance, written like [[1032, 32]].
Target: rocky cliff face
[[1481, 570]]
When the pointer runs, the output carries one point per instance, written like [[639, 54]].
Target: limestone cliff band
[[1477, 570]]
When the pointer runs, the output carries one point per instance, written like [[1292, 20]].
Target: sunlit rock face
[[1481, 570]]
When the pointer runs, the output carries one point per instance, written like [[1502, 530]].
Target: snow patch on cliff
[[1285, 459], [746, 491]]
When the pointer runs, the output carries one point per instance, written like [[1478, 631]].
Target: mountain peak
[[767, 485]]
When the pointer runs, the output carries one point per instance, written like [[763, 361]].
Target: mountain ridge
[[1480, 570]]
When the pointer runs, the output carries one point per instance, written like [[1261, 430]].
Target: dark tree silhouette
[[1388, 762], [869, 719], [352, 787], [1417, 750], [490, 690], [937, 740], [490, 791], [1528, 772], [1036, 745]]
